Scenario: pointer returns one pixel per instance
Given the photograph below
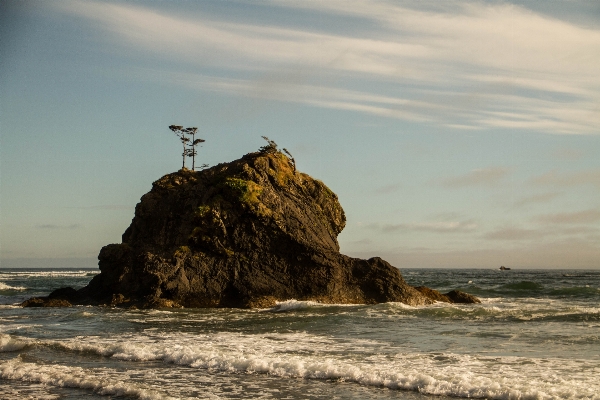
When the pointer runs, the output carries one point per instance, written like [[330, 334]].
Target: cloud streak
[[547, 232], [578, 217], [434, 227], [387, 189], [479, 177], [514, 233], [557, 179], [111, 207], [58, 227], [540, 75], [536, 199]]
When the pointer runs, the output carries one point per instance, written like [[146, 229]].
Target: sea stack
[[247, 233]]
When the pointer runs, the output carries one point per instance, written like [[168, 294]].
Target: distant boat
[[503, 268]]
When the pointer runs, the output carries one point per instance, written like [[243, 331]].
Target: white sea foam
[[407, 307], [293, 304], [103, 381], [12, 304], [4, 286], [85, 314], [307, 356], [524, 309], [8, 343], [52, 274]]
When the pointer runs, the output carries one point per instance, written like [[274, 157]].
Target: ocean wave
[[4, 286], [100, 381], [523, 285], [26, 390], [312, 357], [584, 291], [4, 304], [501, 309], [51, 274], [8, 343], [292, 304], [403, 306], [547, 290]]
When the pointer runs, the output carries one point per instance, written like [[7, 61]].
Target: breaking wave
[[310, 357], [4, 286], [8, 343], [102, 380], [50, 274]]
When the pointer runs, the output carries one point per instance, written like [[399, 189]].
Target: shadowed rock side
[[242, 234]]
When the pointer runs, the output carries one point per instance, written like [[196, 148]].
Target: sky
[[455, 134]]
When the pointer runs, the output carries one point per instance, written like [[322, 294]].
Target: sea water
[[536, 335]]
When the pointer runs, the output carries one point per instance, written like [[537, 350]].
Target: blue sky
[[456, 134]]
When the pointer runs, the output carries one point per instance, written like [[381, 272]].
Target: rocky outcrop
[[454, 296], [433, 294], [242, 234]]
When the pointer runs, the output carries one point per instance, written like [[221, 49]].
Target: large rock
[[242, 234]]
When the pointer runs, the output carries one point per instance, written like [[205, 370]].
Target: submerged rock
[[433, 294], [454, 296], [46, 302], [247, 233]]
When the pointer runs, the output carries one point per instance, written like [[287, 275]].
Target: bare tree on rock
[[270, 148], [189, 145], [192, 145], [292, 160], [179, 131]]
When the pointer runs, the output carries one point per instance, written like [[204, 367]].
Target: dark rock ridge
[[242, 234], [454, 296]]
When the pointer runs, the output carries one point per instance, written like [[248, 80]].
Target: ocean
[[536, 335]]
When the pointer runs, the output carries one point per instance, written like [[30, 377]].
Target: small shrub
[[248, 191]]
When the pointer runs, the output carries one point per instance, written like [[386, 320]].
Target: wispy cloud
[[478, 177], [106, 207], [313, 95], [362, 242], [515, 233], [546, 232], [558, 179], [536, 199], [539, 75], [577, 217], [568, 154], [432, 226], [388, 189], [62, 227]]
